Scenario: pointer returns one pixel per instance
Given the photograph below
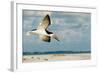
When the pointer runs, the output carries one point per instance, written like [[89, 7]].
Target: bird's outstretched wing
[[45, 23], [55, 37]]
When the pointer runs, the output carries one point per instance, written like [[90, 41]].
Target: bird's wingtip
[[57, 39], [47, 15]]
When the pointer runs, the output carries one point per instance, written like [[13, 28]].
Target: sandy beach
[[55, 57]]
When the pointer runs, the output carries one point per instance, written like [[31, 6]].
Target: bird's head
[[28, 33]]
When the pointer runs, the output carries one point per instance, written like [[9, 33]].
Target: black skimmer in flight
[[42, 31]]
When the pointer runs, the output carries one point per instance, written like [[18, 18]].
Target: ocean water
[[55, 52]]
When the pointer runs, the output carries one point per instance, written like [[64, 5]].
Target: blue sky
[[73, 30]]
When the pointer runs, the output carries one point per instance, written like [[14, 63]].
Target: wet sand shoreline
[[55, 57]]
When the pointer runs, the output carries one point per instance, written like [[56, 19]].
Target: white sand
[[55, 57]]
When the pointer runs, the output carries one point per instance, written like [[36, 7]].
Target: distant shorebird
[[42, 31]]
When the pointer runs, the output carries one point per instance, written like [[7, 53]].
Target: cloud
[[74, 14], [35, 13], [71, 17], [69, 35]]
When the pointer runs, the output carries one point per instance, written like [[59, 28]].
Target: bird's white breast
[[41, 32]]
